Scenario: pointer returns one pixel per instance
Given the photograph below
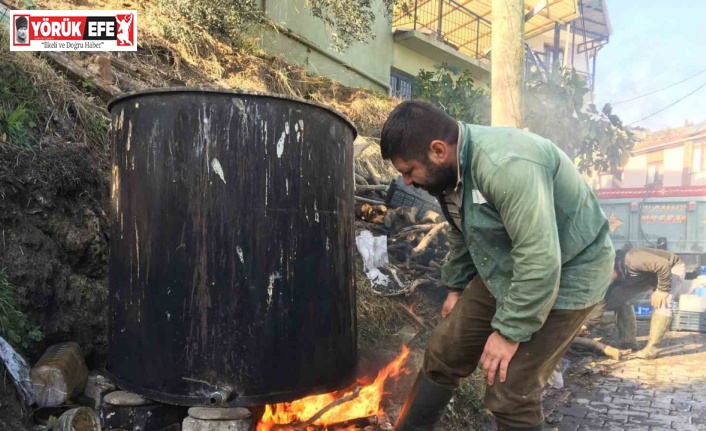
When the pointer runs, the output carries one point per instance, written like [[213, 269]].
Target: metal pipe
[[557, 43], [573, 42], [219, 397], [441, 15], [477, 37], [593, 73], [415, 13]]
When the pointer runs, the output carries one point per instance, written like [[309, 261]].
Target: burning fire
[[365, 404]]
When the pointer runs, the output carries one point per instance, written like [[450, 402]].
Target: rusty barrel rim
[[234, 400], [233, 92]]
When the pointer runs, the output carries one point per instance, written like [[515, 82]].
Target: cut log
[[105, 90], [125, 67], [601, 348], [381, 187], [359, 179], [374, 176], [415, 229], [424, 243], [405, 291]]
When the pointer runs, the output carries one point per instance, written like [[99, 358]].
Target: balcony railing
[[449, 21]]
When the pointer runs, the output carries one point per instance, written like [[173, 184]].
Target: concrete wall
[[673, 167], [411, 62], [408, 61], [368, 65], [635, 173]]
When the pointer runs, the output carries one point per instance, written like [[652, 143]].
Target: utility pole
[[507, 62]]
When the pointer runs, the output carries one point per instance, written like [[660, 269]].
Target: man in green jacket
[[529, 258]]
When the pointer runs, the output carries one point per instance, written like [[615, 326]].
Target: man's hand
[[496, 357], [449, 304], [659, 299]]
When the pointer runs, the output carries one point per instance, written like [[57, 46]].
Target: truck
[[669, 218]]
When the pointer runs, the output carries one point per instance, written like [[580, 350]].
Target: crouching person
[[529, 258], [636, 271]]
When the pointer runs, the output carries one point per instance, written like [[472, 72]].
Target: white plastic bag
[[373, 250]]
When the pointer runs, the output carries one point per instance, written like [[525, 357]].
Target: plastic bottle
[[58, 374]]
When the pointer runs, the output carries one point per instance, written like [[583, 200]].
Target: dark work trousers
[[618, 295], [457, 343]]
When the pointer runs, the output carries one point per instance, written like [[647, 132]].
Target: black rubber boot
[[424, 406], [503, 427], [627, 327]]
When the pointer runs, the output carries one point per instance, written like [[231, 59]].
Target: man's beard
[[439, 178]]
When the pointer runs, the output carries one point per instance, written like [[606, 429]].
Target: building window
[[655, 167], [400, 85], [655, 173]]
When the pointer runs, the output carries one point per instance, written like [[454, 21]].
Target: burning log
[[338, 402], [341, 410], [305, 426], [416, 319]]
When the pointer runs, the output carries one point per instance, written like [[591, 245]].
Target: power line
[[670, 105], [661, 89]]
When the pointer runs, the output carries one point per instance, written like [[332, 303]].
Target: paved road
[[668, 393]]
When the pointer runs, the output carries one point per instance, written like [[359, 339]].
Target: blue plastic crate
[[643, 309], [689, 321]]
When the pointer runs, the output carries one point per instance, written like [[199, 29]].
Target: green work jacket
[[532, 229]]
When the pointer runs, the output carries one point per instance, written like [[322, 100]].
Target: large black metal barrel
[[231, 267]]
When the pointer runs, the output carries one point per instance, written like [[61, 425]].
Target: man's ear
[[440, 152]]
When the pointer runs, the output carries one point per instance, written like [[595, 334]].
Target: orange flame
[[366, 404]]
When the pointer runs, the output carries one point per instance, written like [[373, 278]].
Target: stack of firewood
[[416, 244], [370, 187]]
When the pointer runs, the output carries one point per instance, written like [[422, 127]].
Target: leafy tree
[[554, 109], [455, 92], [351, 21]]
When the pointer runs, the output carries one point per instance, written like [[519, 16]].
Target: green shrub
[[15, 327]]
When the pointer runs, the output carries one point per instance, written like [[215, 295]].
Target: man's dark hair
[[21, 22], [412, 126]]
